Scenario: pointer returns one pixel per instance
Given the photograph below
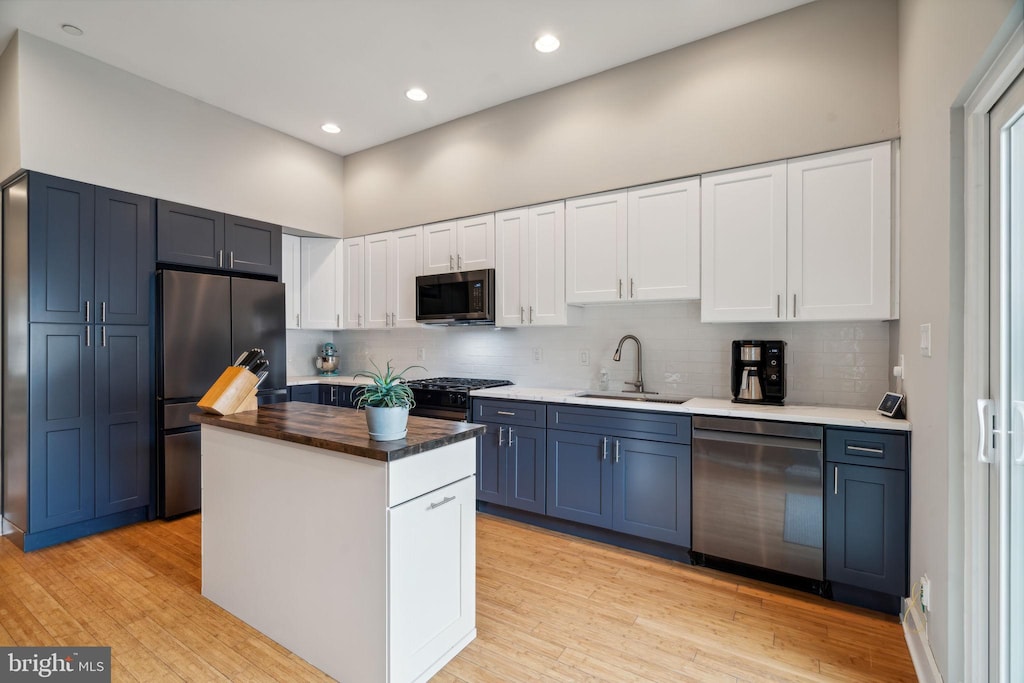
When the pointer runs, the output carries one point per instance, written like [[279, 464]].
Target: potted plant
[[387, 401]]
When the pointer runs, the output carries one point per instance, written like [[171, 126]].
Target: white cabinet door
[[545, 274], [595, 248], [743, 244], [511, 237], [321, 283], [406, 262], [354, 283], [439, 246], [375, 299], [664, 241], [475, 241], [291, 274], [840, 228], [431, 578]]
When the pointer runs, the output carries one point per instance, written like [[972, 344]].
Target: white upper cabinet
[[392, 262], [840, 235], [663, 252], [322, 283], [530, 266], [291, 276], [465, 244], [743, 244], [595, 245], [807, 239], [355, 312]]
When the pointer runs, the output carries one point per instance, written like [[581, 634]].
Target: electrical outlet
[[538, 355], [584, 357], [926, 593], [421, 353]]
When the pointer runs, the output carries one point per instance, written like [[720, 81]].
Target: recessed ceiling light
[[332, 128], [416, 94], [72, 30], [546, 43]]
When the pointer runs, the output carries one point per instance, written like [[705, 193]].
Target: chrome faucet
[[638, 383]]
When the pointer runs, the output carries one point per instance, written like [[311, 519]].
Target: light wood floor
[[549, 608]]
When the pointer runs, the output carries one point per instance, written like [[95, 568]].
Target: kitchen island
[[357, 555]]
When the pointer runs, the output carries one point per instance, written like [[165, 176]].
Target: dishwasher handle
[[758, 440]]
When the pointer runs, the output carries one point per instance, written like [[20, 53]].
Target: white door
[[545, 260], [321, 283], [511, 234], [475, 243], [1006, 211], [354, 283], [291, 268], [743, 244], [407, 260], [439, 248], [595, 248], [378, 248], [664, 241], [840, 232]]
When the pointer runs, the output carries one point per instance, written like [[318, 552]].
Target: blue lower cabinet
[[866, 528], [511, 467], [336, 395], [652, 490], [579, 486], [490, 465], [305, 393]]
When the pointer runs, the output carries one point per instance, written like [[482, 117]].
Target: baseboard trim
[[917, 642]]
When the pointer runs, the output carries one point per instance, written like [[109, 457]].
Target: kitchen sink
[[641, 398]]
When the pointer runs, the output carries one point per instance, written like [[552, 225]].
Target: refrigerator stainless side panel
[[195, 332], [257, 321], [182, 473]]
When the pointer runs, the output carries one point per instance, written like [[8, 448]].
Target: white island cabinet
[[358, 556]]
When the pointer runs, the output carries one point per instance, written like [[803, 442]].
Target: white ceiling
[[295, 64]]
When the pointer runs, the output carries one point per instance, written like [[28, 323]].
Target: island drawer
[[522, 413], [635, 424], [415, 475]]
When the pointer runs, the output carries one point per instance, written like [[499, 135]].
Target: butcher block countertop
[[341, 429]]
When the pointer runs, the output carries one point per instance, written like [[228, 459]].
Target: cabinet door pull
[[297, 320], [511, 434], [501, 436], [510, 413], [794, 307], [444, 501], [620, 287], [521, 320], [616, 450], [460, 261], [337, 318], [220, 258], [88, 310], [88, 335], [231, 259], [103, 311], [864, 449], [103, 336], [632, 289], [359, 319], [451, 262], [531, 315], [778, 305], [835, 480], [604, 447]]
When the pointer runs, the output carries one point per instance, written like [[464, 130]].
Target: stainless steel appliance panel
[[176, 415], [182, 473], [257, 321], [757, 494], [195, 332]]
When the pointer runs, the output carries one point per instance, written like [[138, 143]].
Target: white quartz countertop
[[823, 415], [347, 380]]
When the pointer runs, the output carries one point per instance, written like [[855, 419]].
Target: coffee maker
[[758, 371]]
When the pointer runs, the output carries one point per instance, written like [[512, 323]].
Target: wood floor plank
[[550, 607]]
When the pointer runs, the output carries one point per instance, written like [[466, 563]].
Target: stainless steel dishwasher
[[757, 493]]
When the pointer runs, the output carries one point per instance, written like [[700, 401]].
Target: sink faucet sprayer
[[638, 383]]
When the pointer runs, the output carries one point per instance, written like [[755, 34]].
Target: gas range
[[447, 398]]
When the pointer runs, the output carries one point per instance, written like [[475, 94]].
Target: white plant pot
[[386, 424]]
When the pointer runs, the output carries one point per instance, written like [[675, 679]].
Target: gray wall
[[86, 120], [818, 77], [941, 44], [10, 147]]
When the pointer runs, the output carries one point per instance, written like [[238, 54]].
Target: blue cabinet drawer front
[[521, 413], [867, 447], [626, 423]]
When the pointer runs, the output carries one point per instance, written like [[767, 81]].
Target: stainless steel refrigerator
[[205, 323]]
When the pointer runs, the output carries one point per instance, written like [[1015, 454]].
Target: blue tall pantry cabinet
[[78, 361]]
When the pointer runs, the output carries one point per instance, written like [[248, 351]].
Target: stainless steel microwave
[[464, 298]]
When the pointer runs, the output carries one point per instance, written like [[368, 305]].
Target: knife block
[[233, 392]]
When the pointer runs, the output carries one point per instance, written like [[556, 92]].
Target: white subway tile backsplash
[[829, 363]]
